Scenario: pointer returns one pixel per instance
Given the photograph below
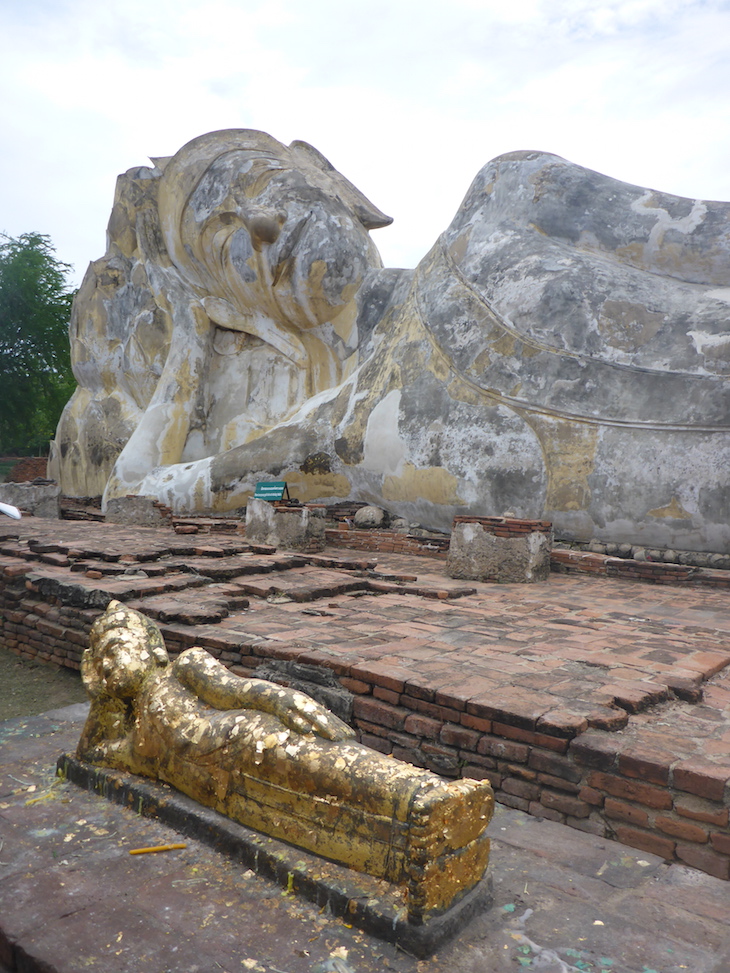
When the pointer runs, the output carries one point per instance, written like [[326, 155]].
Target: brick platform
[[600, 703]]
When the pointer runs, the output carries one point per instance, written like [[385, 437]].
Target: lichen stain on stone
[[458, 248], [673, 511], [317, 463], [570, 451], [316, 486], [506, 344], [434, 483], [628, 326]]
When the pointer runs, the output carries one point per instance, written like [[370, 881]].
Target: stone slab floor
[[72, 899]]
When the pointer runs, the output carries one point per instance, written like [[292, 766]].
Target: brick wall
[[388, 542], [507, 526], [678, 810], [656, 572], [588, 780]]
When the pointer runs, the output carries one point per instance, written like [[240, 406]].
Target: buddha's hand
[[221, 689], [301, 713]]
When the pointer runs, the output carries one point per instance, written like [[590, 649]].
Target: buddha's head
[[124, 648], [269, 228]]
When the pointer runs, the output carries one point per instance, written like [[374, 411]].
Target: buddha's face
[[277, 235], [300, 242], [122, 664], [124, 649]]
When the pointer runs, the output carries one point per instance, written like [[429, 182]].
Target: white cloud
[[408, 97]]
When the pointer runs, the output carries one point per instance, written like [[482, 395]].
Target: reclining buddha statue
[[562, 351]]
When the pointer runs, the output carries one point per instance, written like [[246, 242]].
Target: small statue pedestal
[[374, 905], [500, 549], [291, 527]]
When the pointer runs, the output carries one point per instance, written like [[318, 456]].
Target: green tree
[[35, 365]]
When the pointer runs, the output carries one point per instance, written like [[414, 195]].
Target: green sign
[[271, 490]]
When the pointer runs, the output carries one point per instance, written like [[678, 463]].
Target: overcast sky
[[408, 98]]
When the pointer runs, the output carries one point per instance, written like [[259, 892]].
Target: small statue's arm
[[215, 685]]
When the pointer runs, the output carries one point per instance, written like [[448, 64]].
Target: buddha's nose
[[264, 226]]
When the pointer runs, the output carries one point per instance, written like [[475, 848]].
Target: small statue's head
[[124, 648], [271, 229]]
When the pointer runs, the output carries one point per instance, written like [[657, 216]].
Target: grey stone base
[[371, 904], [292, 529], [477, 555], [41, 499]]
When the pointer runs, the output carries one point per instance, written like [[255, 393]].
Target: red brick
[[704, 858], [383, 674], [701, 777], [515, 708], [387, 695], [375, 711], [681, 829], [417, 691], [558, 766], [631, 790], [442, 713], [538, 810], [476, 723], [527, 736], [405, 740], [489, 762], [625, 812], [356, 686], [565, 804], [654, 844], [699, 810], [562, 723], [459, 736], [558, 784], [591, 796], [595, 749], [652, 767], [414, 757], [503, 749], [521, 788], [375, 743], [517, 770], [422, 726], [511, 800], [721, 843], [610, 718]]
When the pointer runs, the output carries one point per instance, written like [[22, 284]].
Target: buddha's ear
[[369, 215]]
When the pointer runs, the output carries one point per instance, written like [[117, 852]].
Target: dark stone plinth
[[372, 905]]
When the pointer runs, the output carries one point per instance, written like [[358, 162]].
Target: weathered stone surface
[[561, 352], [294, 529], [39, 499], [371, 516], [144, 511], [476, 554]]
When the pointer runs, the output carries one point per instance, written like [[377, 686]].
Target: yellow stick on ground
[[144, 851]]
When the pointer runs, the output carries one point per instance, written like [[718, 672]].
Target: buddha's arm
[[215, 685], [105, 736]]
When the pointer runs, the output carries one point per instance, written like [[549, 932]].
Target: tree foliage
[[35, 366]]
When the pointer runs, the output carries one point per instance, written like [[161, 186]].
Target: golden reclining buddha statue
[[274, 760]]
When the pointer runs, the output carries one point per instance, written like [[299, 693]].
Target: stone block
[[478, 555], [143, 511], [291, 528], [39, 499]]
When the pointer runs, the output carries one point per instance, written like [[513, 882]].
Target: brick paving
[[73, 899], [600, 703]]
